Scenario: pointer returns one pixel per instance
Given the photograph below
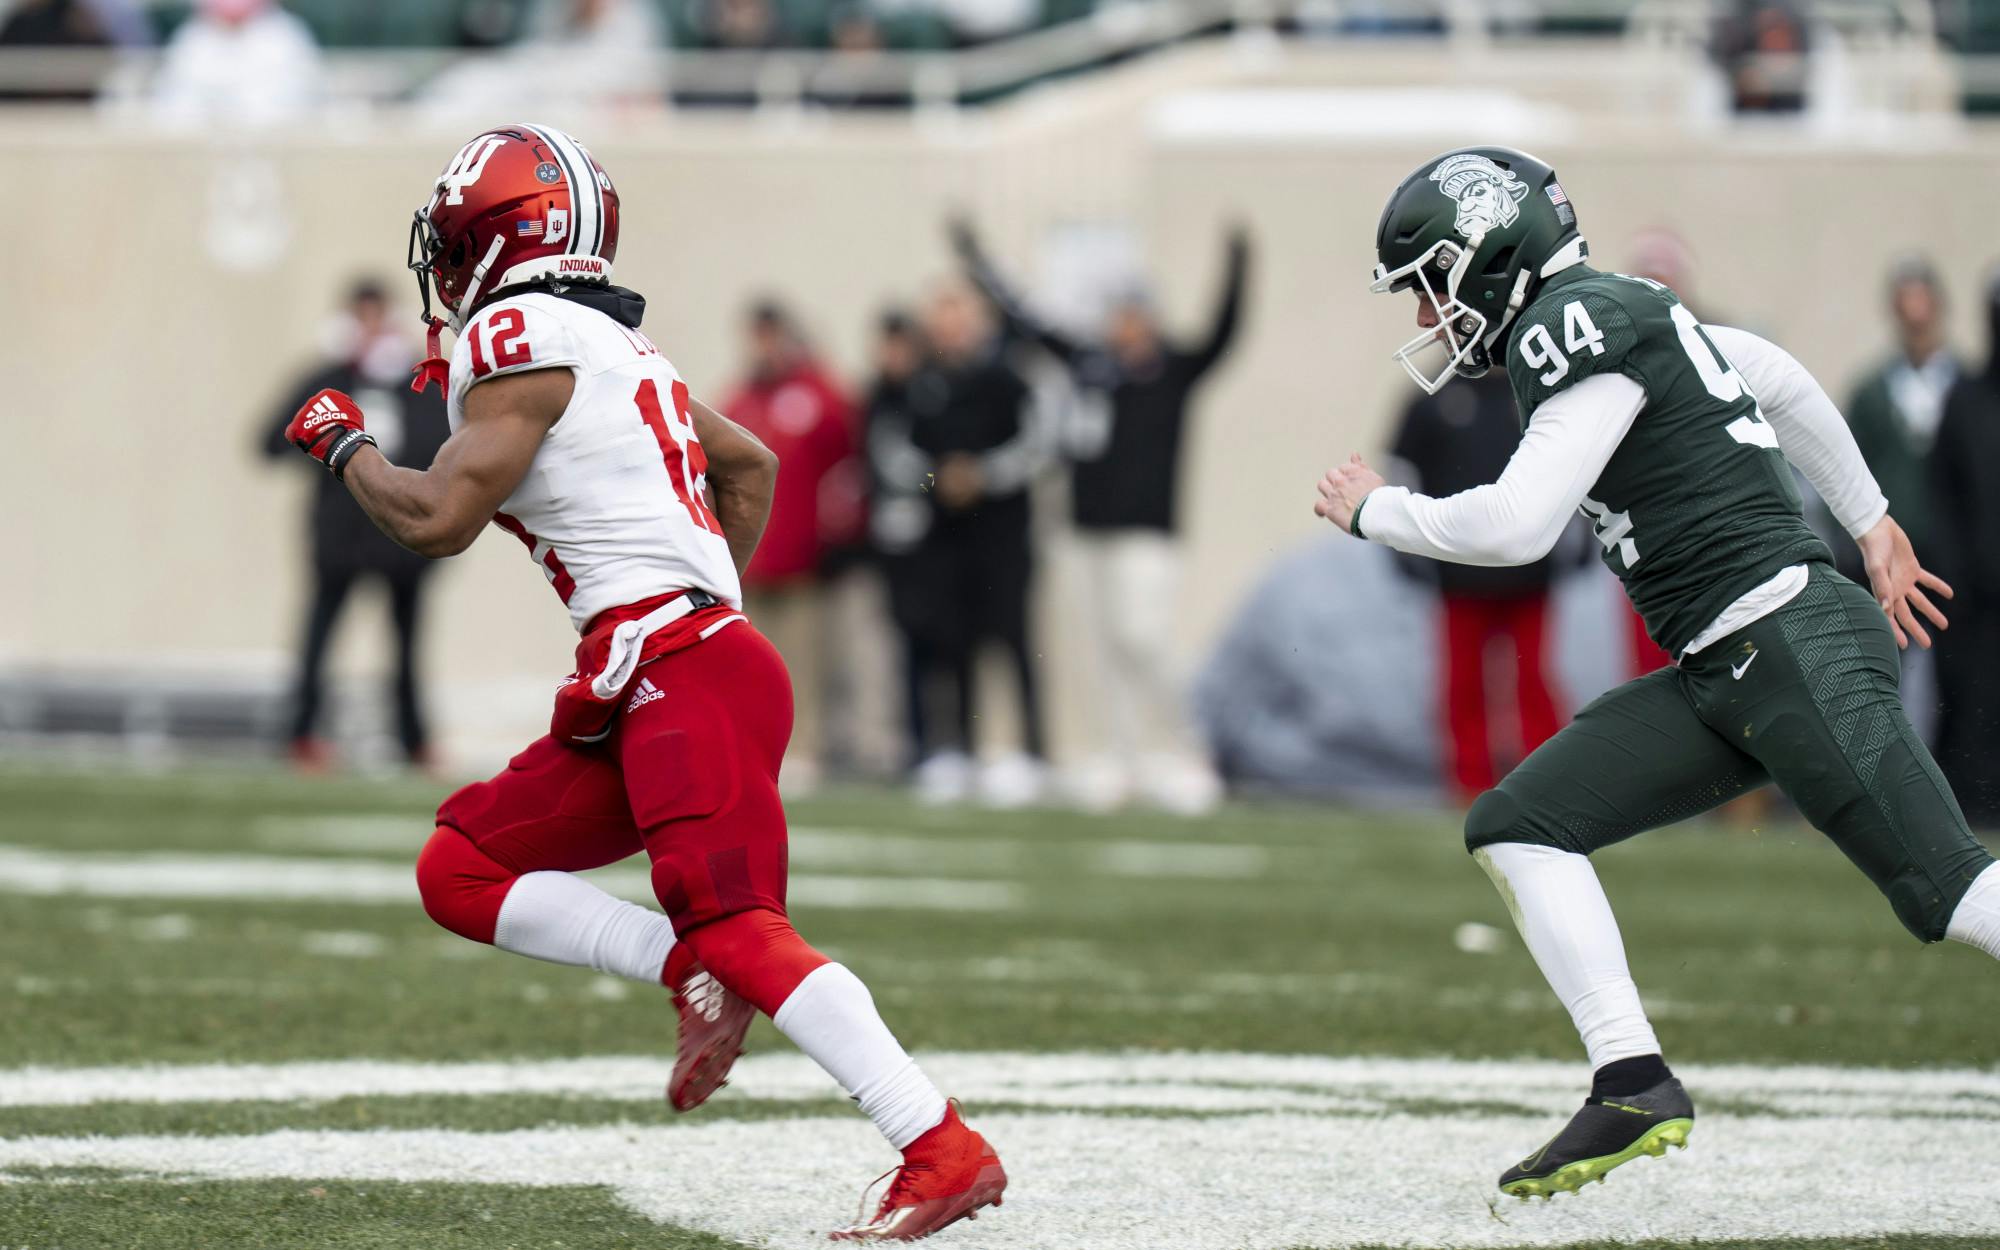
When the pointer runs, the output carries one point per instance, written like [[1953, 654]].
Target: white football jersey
[[613, 508]]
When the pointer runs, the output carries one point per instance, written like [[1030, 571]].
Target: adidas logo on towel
[[646, 693]]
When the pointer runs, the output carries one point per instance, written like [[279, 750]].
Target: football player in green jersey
[[1674, 439]]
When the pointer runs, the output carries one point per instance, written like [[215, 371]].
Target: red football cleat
[[713, 1022], [947, 1175]]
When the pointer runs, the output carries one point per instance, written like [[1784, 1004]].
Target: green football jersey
[[1697, 506]]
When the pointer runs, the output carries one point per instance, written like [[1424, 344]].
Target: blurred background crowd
[[1042, 366], [904, 516]]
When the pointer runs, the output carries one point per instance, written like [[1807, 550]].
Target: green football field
[[225, 1021]]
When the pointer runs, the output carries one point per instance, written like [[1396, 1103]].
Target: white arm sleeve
[[1810, 430], [1516, 520]]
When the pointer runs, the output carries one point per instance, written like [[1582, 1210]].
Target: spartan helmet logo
[[1488, 196]]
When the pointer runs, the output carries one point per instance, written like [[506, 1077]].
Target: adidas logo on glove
[[324, 410]]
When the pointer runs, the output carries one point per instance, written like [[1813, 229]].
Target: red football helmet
[[517, 204]]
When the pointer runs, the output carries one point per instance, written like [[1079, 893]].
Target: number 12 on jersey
[[687, 464]]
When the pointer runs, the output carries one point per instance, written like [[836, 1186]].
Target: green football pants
[[1805, 697]]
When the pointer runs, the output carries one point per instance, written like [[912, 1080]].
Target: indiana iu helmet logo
[[1489, 197]]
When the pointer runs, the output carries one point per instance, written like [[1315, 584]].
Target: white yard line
[[281, 878], [1177, 860], [382, 832], [812, 846], [1195, 1082], [1094, 1182]]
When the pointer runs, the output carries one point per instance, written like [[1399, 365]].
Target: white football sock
[[831, 1016], [1563, 916], [1976, 919], [564, 919]]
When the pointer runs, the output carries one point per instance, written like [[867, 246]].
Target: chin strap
[[1571, 253], [436, 367]]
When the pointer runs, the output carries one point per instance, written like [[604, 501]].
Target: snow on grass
[[1185, 1081], [1097, 1182], [1289, 1151]]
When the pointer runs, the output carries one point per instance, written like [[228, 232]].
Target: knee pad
[[756, 954], [461, 887]]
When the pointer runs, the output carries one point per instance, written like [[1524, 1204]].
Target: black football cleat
[[1604, 1134]]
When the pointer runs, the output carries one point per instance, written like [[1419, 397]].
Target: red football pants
[[689, 775], [1472, 626]]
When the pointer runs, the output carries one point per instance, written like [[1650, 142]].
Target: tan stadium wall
[[141, 530]]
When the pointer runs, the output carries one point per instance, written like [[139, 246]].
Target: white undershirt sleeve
[[1517, 519], [1810, 429]]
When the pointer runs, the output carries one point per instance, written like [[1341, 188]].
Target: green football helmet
[[1477, 229]]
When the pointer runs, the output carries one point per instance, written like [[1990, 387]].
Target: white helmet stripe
[[589, 169], [586, 198], [578, 200]]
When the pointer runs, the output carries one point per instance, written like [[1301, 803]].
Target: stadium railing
[[1109, 34]]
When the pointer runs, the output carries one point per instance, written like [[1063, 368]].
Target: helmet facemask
[[427, 259], [426, 253], [1459, 344]]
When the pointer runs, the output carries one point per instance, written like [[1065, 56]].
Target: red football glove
[[330, 430]]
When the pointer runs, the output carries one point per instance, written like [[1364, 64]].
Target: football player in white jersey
[[640, 506]]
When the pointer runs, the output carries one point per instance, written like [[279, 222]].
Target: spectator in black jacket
[[899, 513], [954, 451], [1965, 535], [1460, 438], [1134, 386], [372, 363]]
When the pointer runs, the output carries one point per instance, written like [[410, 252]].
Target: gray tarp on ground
[[1326, 681]]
